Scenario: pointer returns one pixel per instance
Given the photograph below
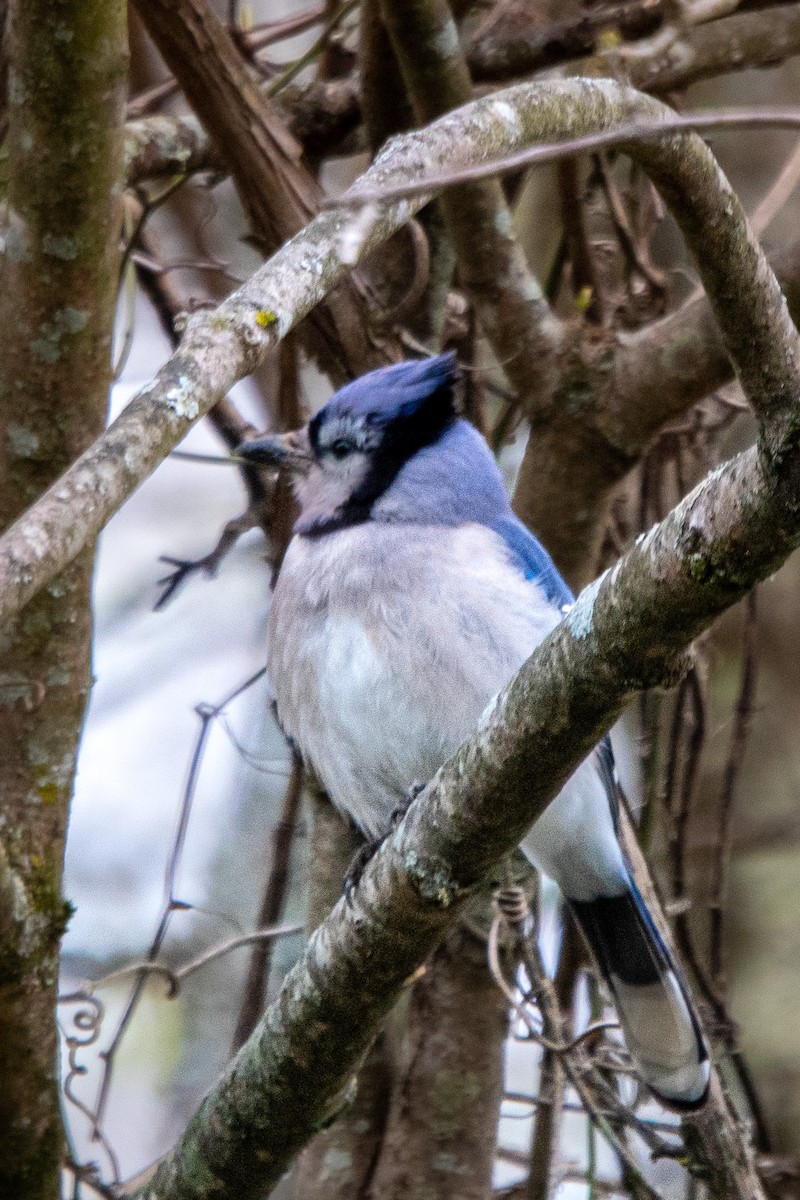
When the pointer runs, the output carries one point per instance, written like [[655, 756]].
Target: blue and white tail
[[576, 842], [661, 1029]]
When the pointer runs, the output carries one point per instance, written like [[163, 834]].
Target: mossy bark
[[58, 267]]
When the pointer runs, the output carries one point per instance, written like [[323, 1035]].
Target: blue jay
[[409, 595]]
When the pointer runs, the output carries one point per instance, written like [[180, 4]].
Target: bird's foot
[[398, 813], [358, 863], [352, 876]]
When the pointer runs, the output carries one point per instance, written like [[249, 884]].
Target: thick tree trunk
[[67, 75], [443, 1120]]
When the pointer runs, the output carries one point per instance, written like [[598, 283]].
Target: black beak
[[289, 450]]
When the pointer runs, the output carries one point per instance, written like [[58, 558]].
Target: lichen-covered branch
[[523, 331], [219, 348], [58, 273]]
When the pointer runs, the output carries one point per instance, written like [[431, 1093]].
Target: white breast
[[386, 644]]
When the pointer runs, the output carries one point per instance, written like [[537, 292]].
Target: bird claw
[[398, 813], [364, 854], [358, 864]]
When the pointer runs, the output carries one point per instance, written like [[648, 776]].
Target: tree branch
[[500, 50], [278, 192], [515, 39], [523, 331]]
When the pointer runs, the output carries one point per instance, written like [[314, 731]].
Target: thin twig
[[250, 40], [316, 48], [692, 700], [721, 118], [544, 1153], [627, 239], [172, 904], [271, 32], [778, 194], [176, 975], [686, 749], [271, 906], [143, 210]]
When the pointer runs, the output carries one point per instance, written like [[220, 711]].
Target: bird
[[409, 595]]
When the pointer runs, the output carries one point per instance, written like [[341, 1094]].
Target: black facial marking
[[313, 431], [403, 435]]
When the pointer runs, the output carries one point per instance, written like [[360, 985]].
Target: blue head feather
[[427, 465], [396, 395]]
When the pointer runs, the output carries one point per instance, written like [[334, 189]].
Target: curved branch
[[502, 49], [221, 347]]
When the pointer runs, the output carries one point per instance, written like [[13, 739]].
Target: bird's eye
[[340, 448]]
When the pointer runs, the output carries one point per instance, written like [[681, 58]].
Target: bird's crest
[[420, 391]]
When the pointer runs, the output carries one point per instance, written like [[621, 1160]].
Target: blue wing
[[532, 558]]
